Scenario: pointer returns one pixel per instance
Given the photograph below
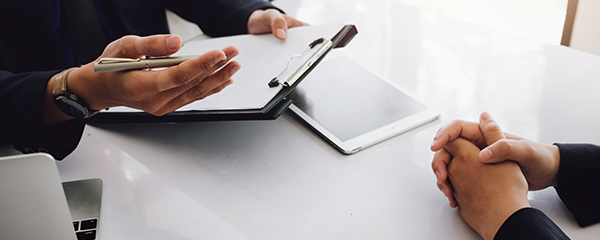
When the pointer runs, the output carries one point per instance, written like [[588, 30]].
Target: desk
[[279, 180]]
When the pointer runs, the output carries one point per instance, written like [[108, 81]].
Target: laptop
[[35, 206]]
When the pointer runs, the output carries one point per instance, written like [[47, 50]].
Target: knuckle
[[205, 66], [124, 44], [492, 127], [504, 146], [180, 78], [199, 93]]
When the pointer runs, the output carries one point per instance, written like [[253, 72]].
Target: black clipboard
[[272, 110]]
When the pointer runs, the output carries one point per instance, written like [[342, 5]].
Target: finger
[[137, 47], [490, 129], [446, 188], [516, 150], [194, 69], [448, 191], [441, 159], [292, 22], [279, 25], [453, 203], [156, 104], [457, 128], [209, 86], [461, 149]]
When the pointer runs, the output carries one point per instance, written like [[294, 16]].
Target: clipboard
[[292, 72]]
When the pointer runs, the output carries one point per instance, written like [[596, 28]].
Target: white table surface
[[279, 180]]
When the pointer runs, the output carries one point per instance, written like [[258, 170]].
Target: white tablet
[[353, 108]]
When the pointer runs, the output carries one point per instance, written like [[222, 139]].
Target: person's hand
[[156, 92], [482, 134], [538, 162], [487, 194], [271, 20]]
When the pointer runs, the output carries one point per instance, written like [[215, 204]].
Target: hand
[[482, 134], [487, 194], [271, 20], [156, 92], [539, 163]]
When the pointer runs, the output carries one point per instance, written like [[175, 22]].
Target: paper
[[262, 58]]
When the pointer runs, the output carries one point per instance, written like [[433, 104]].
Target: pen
[[123, 64]]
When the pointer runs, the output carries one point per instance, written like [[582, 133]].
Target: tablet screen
[[349, 101]]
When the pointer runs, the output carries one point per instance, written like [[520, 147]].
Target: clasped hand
[[486, 173]]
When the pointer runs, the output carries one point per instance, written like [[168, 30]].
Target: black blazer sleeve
[[218, 17], [529, 223], [21, 122], [578, 181]]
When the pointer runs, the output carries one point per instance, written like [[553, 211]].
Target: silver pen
[[124, 64]]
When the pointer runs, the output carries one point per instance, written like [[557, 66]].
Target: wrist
[[84, 83], [555, 164]]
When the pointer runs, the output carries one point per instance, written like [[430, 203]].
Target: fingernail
[[486, 155], [281, 33], [173, 42], [234, 69], [433, 142], [437, 175]]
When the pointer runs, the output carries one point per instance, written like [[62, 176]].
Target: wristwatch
[[68, 102]]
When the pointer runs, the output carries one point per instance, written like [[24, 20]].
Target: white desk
[[279, 180]]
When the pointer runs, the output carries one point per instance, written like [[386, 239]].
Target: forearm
[[22, 100]]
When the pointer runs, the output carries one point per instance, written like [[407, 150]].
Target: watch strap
[[60, 91]]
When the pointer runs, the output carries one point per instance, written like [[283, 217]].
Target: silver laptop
[[34, 205]]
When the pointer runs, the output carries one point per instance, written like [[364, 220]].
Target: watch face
[[70, 107]]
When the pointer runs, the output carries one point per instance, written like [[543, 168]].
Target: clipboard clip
[[298, 64]]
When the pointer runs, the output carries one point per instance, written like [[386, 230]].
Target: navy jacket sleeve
[[218, 18], [578, 181], [21, 121], [529, 223]]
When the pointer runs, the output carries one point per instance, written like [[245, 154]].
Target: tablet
[[353, 108]]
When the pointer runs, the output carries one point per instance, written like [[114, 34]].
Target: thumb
[[136, 47], [504, 149], [490, 129], [279, 25]]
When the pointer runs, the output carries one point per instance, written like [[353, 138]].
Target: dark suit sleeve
[[529, 223], [578, 181], [21, 122], [218, 17]]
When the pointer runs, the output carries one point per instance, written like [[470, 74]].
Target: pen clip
[[287, 78], [117, 60]]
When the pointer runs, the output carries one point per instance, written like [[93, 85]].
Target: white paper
[[262, 58]]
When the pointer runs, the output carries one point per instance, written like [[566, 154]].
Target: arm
[[222, 18], [156, 92], [529, 223], [578, 181], [21, 121]]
